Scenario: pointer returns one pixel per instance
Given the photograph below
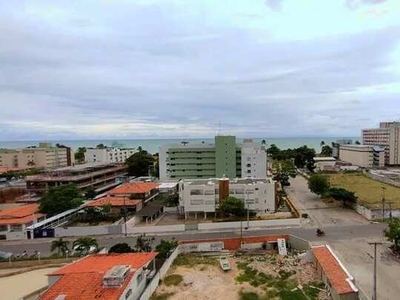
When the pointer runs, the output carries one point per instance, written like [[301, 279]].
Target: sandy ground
[[210, 282], [15, 287]]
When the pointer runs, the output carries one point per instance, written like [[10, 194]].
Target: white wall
[[252, 224], [86, 230], [156, 229], [254, 160], [108, 155]]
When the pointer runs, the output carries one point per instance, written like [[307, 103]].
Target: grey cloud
[[355, 4], [275, 5]]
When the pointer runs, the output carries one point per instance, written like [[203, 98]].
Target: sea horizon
[[152, 144]]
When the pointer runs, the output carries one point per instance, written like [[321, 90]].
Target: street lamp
[[374, 281]]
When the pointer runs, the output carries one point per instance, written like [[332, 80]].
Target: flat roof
[[83, 167], [231, 181], [317, 159], [167, 185]]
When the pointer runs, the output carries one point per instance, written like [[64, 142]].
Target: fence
[[252, 224], [156, 229], [87, 230]]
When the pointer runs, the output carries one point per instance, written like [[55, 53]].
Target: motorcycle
[[320, 232]]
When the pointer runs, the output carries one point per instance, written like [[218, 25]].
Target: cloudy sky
[[150, 69]]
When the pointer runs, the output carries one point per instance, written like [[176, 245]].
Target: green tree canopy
[[318, 184], [101, 146], [120, 248], [344, 195], [303, 156], [164, 248], [326, 151], [85, 243], [273, 151], [80, 155], [143, 244], [139, 163], [60, 245], [322, 143], [232, 207], [357, 142], [283, 170], [90, 193], [59, 199], [393, 233]]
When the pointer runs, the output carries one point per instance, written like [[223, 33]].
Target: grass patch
[[248, 296], [173, 279], [163, 296], [368, 191], [190, 260]]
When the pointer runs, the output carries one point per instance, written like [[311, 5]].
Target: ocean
[[152, 145]]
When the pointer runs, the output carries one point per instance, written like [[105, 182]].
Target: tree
[[61, 246], [80, 154], [164, 248], [59, 199], [263, 142], [304, 157], [120, 248], [318, 184], [357, 143], [322, 143], [273, 151], [90, 193], [232, 207], [326, 151], [84, 244], [139, 163], [341, 194], [101, 146], [393, 233], [283, 171], [143, 244]]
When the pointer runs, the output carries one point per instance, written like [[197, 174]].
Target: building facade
[[223, 158], [45, 156], [363, 155], [108, 155], [388, 137], [204, 195], [101, 177]]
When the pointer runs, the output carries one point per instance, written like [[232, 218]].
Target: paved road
[[333, 233]]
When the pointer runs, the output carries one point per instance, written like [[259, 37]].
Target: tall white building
[[203, 196], [223, 158], [108, 155]]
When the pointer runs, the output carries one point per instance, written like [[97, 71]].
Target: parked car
[[79, 250]]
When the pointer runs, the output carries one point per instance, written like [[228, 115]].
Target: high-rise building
[[223, 158], [386, 136]]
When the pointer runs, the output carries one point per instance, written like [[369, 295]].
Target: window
[[196, 192], [16, 227], [139, 278], [3, 227], [209, 193], [128, 294], [196, 202]]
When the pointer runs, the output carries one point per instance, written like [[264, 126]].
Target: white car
[[79, 250]]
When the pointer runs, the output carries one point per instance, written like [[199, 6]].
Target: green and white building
[[223, 158]]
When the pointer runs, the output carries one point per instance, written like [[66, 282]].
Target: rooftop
[[101, 263], [317, 159], [231, 181], [113, 201], [20, 214], [136, 187], [338, 276]]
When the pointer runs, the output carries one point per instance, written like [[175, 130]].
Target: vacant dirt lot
[[368, 191], [251, 277]]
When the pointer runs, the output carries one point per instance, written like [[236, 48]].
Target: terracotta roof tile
[[24, 220], [234, 243], [19, 211], [113, 201], [103, 262], [333, 270], [83, 279], [134, 188]]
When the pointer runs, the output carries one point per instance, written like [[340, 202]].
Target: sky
[[172, 69]]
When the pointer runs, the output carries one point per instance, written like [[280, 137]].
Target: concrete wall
[[372, 214], [298, 243], [383, 179], [87, 230], [252, 224], [16, 235], [156, 229]]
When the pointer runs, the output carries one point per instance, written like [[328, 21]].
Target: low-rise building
[[99, 176], [145, 191], [108, 155], [332, 272], [45, 156], [102, 277], [116, 203], [15, 220], [324, 163], [364, 156], [205, 195]]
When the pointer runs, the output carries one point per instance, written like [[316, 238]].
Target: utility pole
[[374, 282], [383, 202], [248, 214]]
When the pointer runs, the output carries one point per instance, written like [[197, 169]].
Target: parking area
[[357, 256]]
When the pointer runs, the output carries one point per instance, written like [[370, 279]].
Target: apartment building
[[100, 176], [103, 277], [108, 155], [45, 156], [388, 137], [363, 155], [223, 158], [203, 196]]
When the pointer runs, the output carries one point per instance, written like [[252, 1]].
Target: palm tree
[[84, 244], [263, 142], [322, 143], [61, 246]]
